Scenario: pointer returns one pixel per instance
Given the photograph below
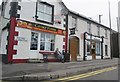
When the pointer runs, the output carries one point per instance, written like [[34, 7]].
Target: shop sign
[[21, 39], [57, 20], [72, 31], [92, 37], [39, 27]]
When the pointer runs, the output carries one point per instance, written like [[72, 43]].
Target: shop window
[[47, 42], [34, 41], [45, 12], [88, 48], [97, 48]]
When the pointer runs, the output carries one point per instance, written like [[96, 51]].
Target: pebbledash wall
[[93, 38], [37, 30]]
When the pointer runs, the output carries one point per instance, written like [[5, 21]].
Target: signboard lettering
[[39, 27]]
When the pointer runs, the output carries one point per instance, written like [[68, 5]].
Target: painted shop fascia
[[33, 34], [93, 38]]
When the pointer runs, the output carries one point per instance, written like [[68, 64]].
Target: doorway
[[93, 50], [74, 48]]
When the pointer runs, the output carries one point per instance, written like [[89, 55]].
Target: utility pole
[[111, 46], [118, 26]]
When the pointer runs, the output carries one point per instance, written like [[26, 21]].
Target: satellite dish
[[64, 11]]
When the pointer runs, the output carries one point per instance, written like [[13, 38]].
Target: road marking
[[91, 74], [76, 77]]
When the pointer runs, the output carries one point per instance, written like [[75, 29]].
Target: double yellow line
[[83, 75]]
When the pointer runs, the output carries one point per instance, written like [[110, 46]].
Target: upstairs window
[[106, 33], [98, 30], [74, 22], [45, 12], [89, 27]]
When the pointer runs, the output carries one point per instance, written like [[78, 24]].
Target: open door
[[74, 48]]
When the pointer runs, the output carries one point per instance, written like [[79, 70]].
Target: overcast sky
[[93, 8]]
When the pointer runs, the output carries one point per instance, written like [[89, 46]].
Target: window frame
[[89, 27], [98, 48], [39, 40], [44, 21], [45, 41], [75, 23], [88, 44], [106, 50], [98, 30], [106, 33]]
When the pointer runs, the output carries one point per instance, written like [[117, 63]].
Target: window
[[47, 42], [89, 27], [45, 12], [34, 41], [106, 50], [74, 22], [88, 48], [105, 33], [98, 30], [97, 48]]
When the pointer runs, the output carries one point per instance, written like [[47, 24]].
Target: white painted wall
[[23, 47], [28, 12], [81, 28], [4, 42]]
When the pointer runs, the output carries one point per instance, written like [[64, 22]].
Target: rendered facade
[[41, 28]]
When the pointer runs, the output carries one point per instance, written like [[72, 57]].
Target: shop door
[[93, 50], [74, 48]]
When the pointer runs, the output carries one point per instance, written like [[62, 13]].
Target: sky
[[94, 8]]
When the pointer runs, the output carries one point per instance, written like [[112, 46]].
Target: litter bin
[[45, 58], [67, 57]]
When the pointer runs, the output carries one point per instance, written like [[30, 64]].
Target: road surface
[[110, 74]]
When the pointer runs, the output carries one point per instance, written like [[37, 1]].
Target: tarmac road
[[47, 71], [108, 75]]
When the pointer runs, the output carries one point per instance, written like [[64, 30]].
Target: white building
[[88, 38], [41, 29]]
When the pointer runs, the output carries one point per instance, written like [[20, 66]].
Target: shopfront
[[32, 39], [93, 47]]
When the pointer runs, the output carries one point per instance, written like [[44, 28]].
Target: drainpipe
[[65, 12], [66, 36], [13, 13]]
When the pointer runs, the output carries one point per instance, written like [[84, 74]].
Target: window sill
[[47, 52], [45, 21]]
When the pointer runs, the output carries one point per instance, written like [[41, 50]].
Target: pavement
[[52, 70]]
